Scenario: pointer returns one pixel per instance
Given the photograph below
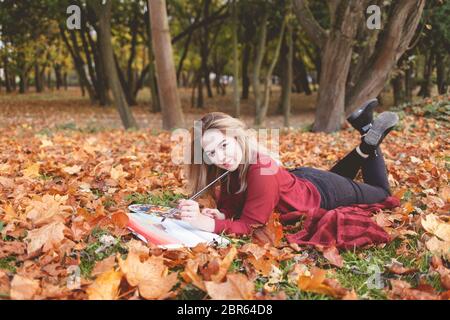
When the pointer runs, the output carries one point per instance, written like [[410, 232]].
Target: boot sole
[[385, 121]]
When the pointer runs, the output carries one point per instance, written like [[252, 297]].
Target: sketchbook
[[145, 221]]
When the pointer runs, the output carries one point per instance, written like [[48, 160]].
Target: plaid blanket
[[345, 227]]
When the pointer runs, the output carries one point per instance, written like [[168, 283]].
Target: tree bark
[[393, 42], [245, 63], [7, 79], [172, 113], [337, 48], [425, 88], [235, 23], [441, 74], [37, 78], [286, 93], [262, 112], [103, 13], [398, 90], [259, 56]]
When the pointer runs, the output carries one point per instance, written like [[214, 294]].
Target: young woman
[[257, 185]]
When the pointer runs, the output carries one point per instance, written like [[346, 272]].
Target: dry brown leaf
[[48, 209], [438, 247], [103, 266], [332, 255], [150, 276], [271, 232], [402, 290], [224, 265], [24, 288], [45, 237], [106, 286], [315, 283], [432, 224], [190, 274], [236, 287], [32, 171]]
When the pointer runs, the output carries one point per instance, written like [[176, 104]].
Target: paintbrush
[[172, 211]]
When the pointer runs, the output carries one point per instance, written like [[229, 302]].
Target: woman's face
[[222, 150]]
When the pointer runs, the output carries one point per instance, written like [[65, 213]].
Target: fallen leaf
[[150, 276], [402, 290], [103, 266], [117, 172], [45, 237], [438, 247], [332, 255], [106, 286], [225, 265], [236, 287], [271, 233], [432, 224], [24, 288], [48, 209], [72, 170], [314, 283], [120, 218], [32, 171]]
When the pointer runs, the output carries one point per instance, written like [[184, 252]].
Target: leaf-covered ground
[[64, 190]]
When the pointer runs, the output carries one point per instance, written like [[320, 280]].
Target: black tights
[[337, 187]]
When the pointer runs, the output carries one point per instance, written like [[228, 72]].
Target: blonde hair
[[201, 174]]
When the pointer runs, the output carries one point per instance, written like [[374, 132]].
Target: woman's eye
[[224, 145]]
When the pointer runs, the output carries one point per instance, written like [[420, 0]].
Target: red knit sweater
[[269, 187]]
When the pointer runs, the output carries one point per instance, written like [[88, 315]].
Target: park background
[[89, 91]]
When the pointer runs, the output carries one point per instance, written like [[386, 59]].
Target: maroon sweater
[[269, 188]]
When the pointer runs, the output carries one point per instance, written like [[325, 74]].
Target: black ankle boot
[[381, 126], [362, 118]]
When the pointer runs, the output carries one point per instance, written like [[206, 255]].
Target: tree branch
[[312, 28]]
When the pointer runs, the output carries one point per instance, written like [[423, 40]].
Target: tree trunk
[[37, 78], [260, 51], [79, 67], [235, 23], [409, 81], [286, 96], [335, 66], [205, 48], [172, 113], [7, 79], [262, 112], [397, 88], [65, 80], [103, 12], [23, 83], [441, 74], [58, 76], [427, 71], [337, 48], [393, 42], [245, 64]]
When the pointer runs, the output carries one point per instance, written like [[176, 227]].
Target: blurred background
[[160, 64]]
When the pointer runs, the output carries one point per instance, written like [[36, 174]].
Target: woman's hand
[[189, 209], [213, 213], [202, 222]]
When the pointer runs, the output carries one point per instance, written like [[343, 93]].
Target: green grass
[[8, 263], [164, 199], [91, 254]]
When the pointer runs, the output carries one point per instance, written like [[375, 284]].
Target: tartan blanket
[[345, 227]]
